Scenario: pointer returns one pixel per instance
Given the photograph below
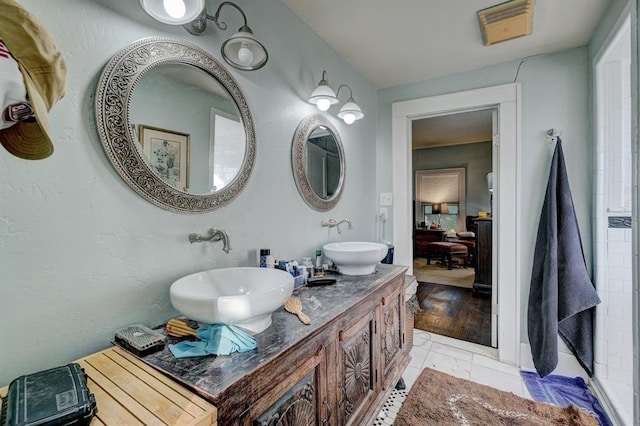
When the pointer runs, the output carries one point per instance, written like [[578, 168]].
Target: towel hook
[[552, 135]]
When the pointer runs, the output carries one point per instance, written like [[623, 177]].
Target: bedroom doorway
[[451, 163], [506, 100]]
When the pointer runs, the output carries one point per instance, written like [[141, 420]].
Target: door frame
[[506, 199]]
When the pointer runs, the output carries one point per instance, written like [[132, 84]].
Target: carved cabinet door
[[357, 370], [298, 399], [392, 334]]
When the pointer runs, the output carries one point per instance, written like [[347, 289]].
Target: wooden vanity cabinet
[[356, 368], [338, 372], [392, 342], [346, 381], [371, 355], [298, 398]]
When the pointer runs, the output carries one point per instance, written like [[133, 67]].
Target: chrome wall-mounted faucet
[[214, 235], [332, 223]]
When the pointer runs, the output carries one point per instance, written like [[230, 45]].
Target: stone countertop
[[213, 374]]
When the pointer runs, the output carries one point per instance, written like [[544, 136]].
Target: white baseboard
[[568, 365]]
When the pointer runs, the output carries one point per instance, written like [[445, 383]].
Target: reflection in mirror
[[323, 162], [200, 111], [175, 125], [318, 162]]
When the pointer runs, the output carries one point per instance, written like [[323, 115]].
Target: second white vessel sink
[[356, 258], [244, 297]]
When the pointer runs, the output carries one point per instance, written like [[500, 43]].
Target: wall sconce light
[[350, 110], [241, 50], [323, 97]]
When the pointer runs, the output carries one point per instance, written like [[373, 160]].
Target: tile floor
[[460, 359], [453, 357]]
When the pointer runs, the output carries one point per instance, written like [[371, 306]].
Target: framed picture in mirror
[[168, 154]]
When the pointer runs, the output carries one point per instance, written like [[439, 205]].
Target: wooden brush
[[179, 328], [294, 306]]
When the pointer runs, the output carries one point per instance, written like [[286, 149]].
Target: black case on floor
[[58, 396]]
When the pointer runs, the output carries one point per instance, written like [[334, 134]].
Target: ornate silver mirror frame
[[113, 99], [299, 158]]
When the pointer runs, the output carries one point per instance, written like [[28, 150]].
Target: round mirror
[[175, 125], [318, 162]]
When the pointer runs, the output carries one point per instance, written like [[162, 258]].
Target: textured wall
[[476, 160], [555, 94], [81, 254]]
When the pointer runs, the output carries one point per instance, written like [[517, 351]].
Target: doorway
[[451, 160], [505, 99]]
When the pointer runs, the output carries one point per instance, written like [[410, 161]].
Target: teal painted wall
[[555, 93], [82, 254], [607, 23], [475, 158]]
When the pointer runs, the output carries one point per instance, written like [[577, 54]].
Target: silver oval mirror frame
[[113, 100], [300, 161]]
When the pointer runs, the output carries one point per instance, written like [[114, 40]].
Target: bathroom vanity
[[338, 370]]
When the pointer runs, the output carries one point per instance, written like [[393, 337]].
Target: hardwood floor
[[454, 312]]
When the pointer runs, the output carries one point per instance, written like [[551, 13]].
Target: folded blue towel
[[216, 339]]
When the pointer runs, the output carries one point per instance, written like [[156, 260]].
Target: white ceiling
[[391, 42], [404, 41]]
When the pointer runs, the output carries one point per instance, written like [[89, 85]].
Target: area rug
[[563, 391], [440, 399], [439, 274]]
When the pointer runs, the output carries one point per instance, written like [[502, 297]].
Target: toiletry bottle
[[263, 257], [318, 259]]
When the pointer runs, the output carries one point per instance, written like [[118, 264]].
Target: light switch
[[386, 198]]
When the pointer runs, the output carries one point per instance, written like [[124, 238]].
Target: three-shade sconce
[[323, 97], [242, 50]]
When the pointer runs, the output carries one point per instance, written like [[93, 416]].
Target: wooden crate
[[129, 392]]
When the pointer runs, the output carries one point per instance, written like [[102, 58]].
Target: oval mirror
[[318, 162], [175, 125]]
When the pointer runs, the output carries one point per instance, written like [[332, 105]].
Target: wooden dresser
[[483, 280], [422, 238]]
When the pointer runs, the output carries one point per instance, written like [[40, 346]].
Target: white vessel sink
[[355, 258], [244, 297]]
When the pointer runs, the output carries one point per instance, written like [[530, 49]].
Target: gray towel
[[562, 298]]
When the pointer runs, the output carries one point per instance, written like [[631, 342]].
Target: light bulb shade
[[156, 9], [444, 208], [323, 94], [350, 112], [243, 51]]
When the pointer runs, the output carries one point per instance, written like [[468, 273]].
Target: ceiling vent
[[506, 21]]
